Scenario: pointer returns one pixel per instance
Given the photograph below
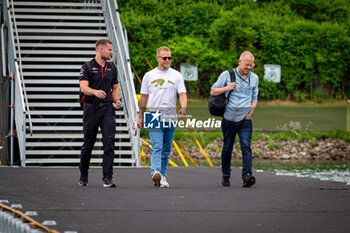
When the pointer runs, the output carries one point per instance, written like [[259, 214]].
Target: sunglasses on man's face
[[169, 58]]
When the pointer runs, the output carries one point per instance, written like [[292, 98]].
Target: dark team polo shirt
[[100, 78]]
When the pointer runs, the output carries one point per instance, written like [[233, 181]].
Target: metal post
[[12, 83], [3, 51]]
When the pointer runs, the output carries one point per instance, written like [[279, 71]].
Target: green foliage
[[271, 91], [308, 38], [271, 145], [339, 133]]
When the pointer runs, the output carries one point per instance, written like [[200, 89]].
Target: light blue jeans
[[161, 140]]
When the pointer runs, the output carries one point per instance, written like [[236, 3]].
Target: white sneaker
[[164, 183], [156, 178]]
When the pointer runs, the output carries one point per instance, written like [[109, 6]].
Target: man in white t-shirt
[[160, 87]]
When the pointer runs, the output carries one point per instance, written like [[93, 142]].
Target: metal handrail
[[3, 51], [18, 110], [127, 73], [126, 79], [21, 70]]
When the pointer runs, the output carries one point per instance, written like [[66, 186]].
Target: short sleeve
[[84, 72], [144, 85], [115, 74], [181, 88]]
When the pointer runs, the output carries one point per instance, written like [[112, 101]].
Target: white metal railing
[[20, 67], [20, 116], [122, 62], [18, 112], [3, 58]]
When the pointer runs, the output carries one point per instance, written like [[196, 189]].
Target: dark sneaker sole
[[249, 182], [82, 184], [156, 179], [225, 184]]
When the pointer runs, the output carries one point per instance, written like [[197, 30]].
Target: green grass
[[301, 117]]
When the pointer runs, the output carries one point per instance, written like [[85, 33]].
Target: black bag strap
[[233, 79]]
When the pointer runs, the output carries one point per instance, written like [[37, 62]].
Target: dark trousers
[[244, 129], [94, 117]]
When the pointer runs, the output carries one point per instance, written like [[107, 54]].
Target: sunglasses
[[169, 58]]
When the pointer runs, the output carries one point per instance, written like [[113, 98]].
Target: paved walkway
[[195, 201]]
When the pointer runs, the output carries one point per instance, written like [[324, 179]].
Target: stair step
[[52, 67], [68, 161], [70, 128], [67, 144], [61, 31], [49, 81], [52, 89], [55, 59], [53, 96], [68, 113], [60, 17], [54, 105], [68, 120], [62, 38], [70, 136], [65, 52], [57, 10], [51, 74], [58, 4], [60, 24], [57, 45], [73, 152]]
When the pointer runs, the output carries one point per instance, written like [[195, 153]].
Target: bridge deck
[[195, 201]]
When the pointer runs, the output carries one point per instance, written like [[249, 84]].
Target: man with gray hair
[[238, 115]]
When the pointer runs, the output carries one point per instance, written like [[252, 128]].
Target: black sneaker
[[108, 183], [248, 181], [83, 181], [225, 180]]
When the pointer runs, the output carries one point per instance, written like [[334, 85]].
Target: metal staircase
[[55, 39]]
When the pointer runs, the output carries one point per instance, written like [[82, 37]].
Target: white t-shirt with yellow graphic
[[162, 88]]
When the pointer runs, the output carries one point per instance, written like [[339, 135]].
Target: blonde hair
[[162, 48]]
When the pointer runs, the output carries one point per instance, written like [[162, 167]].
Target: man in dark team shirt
[[99, 84]]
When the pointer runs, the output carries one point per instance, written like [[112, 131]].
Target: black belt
[[99, 105]]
